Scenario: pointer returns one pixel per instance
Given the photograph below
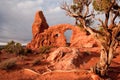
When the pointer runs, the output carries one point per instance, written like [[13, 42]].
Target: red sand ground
[[43, 71]]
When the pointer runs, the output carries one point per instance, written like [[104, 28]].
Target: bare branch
[[116, 30], [69, 12], [107, 13], [108, 38], [103, 25], [111, 5], [87, 11], [112, 25], [90, 15], [116, 14], [87, 3]]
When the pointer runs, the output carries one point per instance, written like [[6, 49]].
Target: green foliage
[[77, 7], [106, 36], [45, 49], [16, 48], [1, 48], [13, 47], [101, 28], [10, 46], [8, 64], [19, 49], [101, 5], [27, 51]]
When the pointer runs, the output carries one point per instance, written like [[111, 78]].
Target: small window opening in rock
[[57, 35], [68, 34]]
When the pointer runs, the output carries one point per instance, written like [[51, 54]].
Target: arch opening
[[68, 34]]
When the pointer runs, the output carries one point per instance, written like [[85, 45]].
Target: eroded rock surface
[[39, 24], [65, 58], [54, 35]]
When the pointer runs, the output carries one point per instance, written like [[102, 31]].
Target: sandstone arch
[[68, 35], [54, 35]]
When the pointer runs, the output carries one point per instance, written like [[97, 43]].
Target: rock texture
[[54, 35], [69, 75], [65, 58], [39, 24]]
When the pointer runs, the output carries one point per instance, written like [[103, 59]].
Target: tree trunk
[[110, 55], [101, 67]]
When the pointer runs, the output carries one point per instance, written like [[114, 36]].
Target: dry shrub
[[45, 49], [8, 64], [16, 48]]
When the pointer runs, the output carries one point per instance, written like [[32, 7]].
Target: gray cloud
[[16, 17]]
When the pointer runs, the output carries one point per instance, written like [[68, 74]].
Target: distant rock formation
[[54, 35], [39, 24]]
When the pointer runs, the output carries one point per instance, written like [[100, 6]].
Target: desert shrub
[[45, 49], [8, 64], [27, 51], [16, 48], [1, 47], [36, 62], [10, 47]]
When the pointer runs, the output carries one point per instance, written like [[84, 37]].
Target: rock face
[[65, 58], [84, 41], [54, 35], [39, 24]]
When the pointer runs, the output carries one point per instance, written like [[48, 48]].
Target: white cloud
[[1, 43], [54, 10], [29, 4], [16, 17]]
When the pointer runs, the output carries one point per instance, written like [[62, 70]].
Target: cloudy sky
[[16, 17]]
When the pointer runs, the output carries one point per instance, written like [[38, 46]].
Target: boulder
[[65, 58]]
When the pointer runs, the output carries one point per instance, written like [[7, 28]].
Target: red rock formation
[[39, 24], [65, 58], [83, 41], [54, 35]]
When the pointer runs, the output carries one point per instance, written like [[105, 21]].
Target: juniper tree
[[84, 11]]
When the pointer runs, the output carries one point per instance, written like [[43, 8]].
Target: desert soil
[[25, 70]]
